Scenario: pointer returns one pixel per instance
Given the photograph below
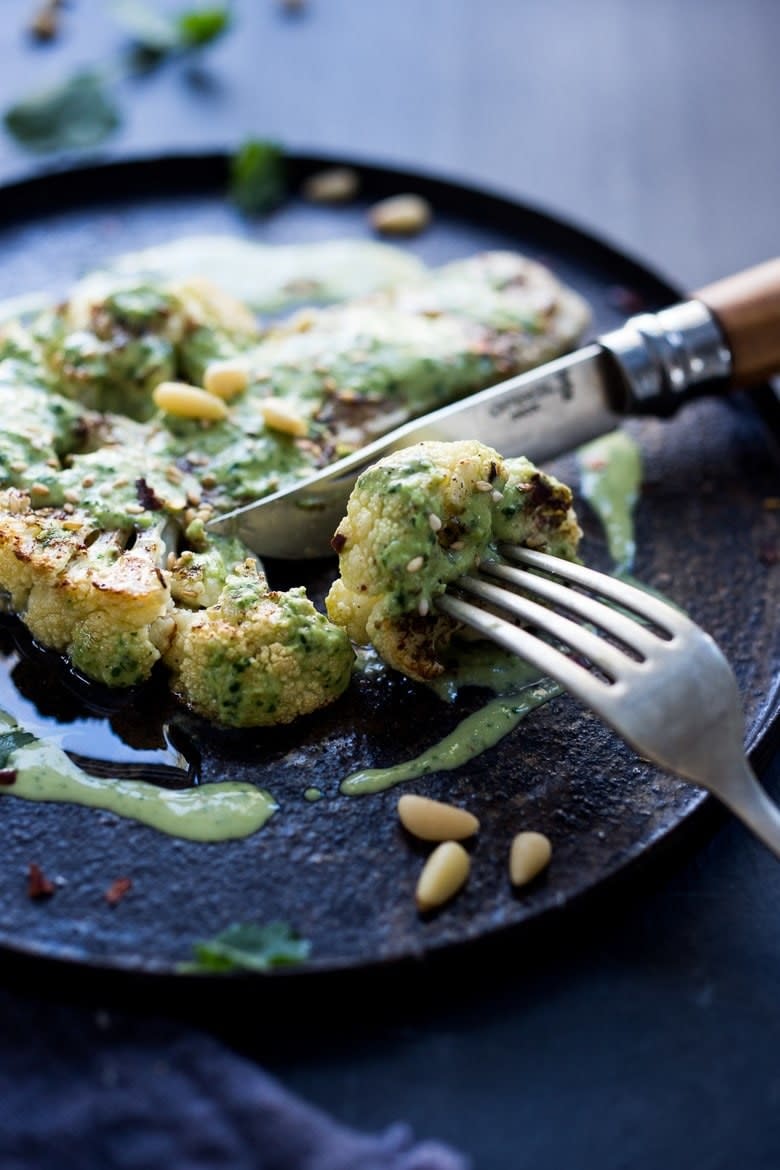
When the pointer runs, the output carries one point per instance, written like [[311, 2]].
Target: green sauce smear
[[208, 812], [473, 735], [610, 478]]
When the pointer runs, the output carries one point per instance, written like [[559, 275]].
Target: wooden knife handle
[[747, 307]]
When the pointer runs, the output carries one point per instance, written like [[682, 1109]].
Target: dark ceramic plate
[[340, 870]]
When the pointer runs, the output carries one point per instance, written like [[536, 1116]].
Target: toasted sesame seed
[[456, 545], [482, 485], [18, 466], [71, 496], [88, 481], [39, 489], [423, 608], [415, 564], [193, 498], [173, 474], [209, 481], [134, 509], [496, 496], [434, 522], [123, 481]]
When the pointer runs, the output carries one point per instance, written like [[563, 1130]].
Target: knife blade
[[651, 365]]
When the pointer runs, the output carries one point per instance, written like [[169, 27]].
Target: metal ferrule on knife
[[668, 357]]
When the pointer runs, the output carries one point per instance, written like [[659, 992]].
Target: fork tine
[[611, 659], [638, 637], [686, 717], [661, 613], [570, 674]]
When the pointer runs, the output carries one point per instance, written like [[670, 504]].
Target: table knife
[[726, 335]]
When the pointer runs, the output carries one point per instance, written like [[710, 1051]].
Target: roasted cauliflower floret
[[112, 342], [257, 657], [83, 592], [105, 502], [421, 518]]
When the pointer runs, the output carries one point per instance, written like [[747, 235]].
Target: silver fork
[[667, 689]]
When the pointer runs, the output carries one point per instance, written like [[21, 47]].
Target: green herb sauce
[[610, 478], [471, 737], [208, 812]]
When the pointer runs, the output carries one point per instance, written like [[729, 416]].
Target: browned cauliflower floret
[[257, 657], [82, 592], [421, 518]]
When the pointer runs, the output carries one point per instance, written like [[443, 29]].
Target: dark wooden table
[[644, 1032]]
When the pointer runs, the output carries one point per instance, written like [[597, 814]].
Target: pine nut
[[334, 185], [279, 416], [185, 401], [401, 215], [433, 820], [529, 855], [442, 876], [225, 379]]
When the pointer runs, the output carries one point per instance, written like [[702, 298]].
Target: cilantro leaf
[[201, 26], [10, 741], [257, 179], [149, 29], [249, 947], [78, 112], [158, 34]]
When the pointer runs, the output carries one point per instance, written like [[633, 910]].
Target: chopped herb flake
[[10, 741], [201, 26], [72, 115], [156, 33], [249, 947], [257, 180]]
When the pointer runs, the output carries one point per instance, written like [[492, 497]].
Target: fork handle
[[747, 307], [740, 790]]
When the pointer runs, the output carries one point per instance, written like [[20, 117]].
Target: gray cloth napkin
[[83, 1091]]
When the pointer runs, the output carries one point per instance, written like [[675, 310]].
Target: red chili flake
[[7, 777], [627, 300], [38, 885], [117, 890], [338, 541]]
